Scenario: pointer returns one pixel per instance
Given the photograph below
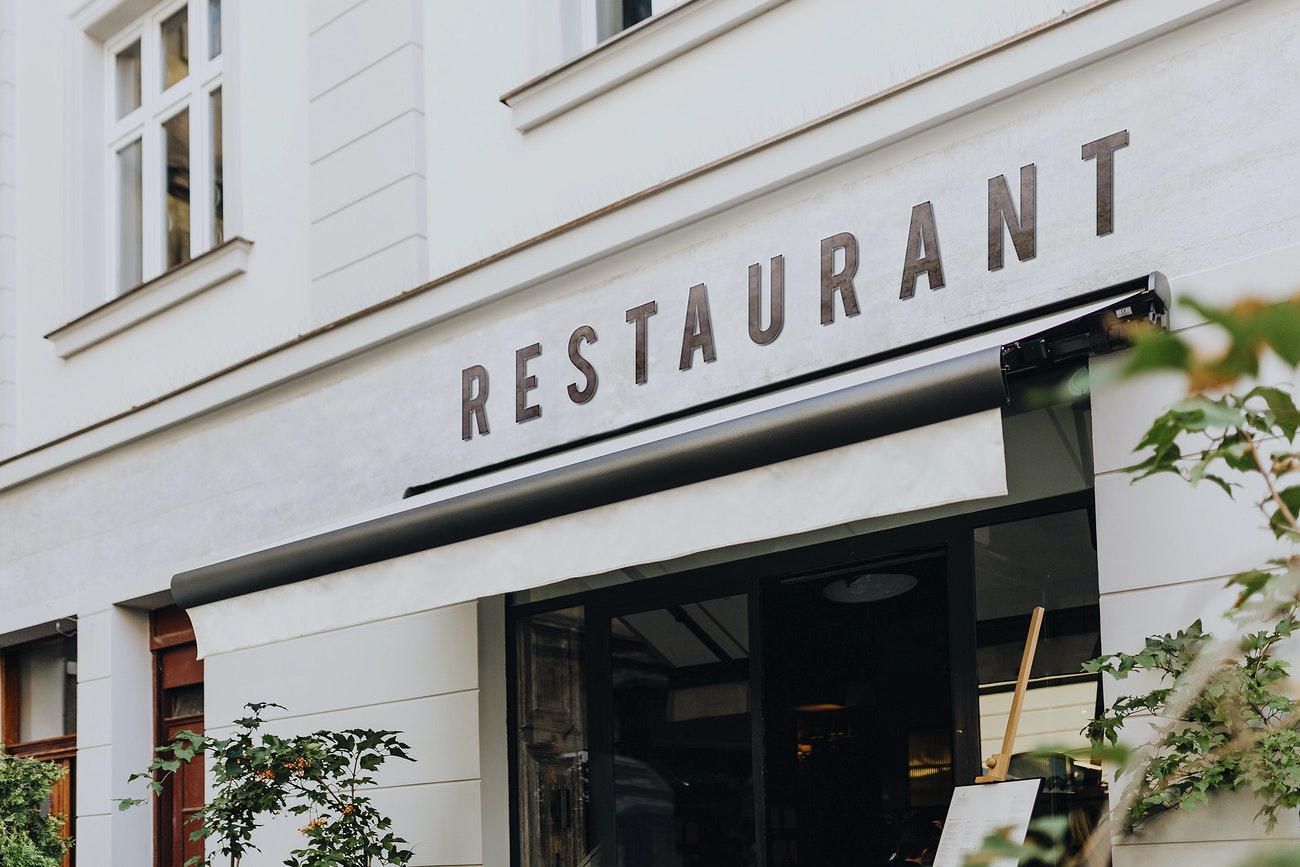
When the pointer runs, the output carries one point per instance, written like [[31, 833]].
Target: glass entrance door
[[858, 708], [682, 744]]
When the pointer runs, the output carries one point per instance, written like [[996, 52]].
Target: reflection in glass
[[47, 690], [683, 759], [185, 701], [176, 47], [1048, 560], [218, 203], [214, 28], [176, 133], [128, 79], [635, 11], [551, 716], [130, 229]]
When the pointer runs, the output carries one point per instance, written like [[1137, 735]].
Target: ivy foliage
[[1226, 718], [29, 837], [321, 778]]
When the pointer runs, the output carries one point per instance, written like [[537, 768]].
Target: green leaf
[[1285, 414], [1158, 350], [1201, 413], [1290, 497]]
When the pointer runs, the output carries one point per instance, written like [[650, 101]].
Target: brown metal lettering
[[1103, 151], [1024, 230], [525, 383], [922, 252], [842, 281], [697, 332], [582, 395], [776, 316], [639, 316], [473, 401]]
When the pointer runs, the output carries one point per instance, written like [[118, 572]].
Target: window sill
[[152, 297], [627, 55]]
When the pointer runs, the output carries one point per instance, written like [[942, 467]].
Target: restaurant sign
[[794, 297]]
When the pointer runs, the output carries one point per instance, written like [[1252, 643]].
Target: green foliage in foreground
[[320, 777], [28, 838], [1226, 719]]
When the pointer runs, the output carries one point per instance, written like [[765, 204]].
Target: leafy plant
[[1229, 721], [321, 776], [28, 836]]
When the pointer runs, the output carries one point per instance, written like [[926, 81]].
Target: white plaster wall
[[1166, 550], [401, 99], [368, 196], [418, 674], [60, 267], [788, 66], [8, 227]]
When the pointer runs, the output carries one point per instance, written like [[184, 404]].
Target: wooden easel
[[999, 762]]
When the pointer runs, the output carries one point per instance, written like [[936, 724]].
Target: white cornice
[[627, 55], [152, 297]]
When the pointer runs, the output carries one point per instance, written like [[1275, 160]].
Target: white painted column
[[114, 735]]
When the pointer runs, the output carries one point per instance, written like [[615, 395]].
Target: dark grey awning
[[916, 398]]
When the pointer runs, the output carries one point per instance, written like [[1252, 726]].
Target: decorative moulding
[[101, 19], [626, 55], [152, 297]]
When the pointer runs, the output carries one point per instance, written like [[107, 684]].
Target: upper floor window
[[611, 17], [164, 147]]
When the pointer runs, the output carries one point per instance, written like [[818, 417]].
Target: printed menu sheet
[[982, 809]]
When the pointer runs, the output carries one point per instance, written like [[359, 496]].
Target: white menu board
[[980, 810]]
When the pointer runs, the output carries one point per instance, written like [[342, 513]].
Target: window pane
[[177, 155], [128, 79], [635, 11], [1048, 560], [683, 761], [176, 47], [214, 28], [551, 714], [130, 234], [47, 691], [614, 16], [185, 701], [218, 203]]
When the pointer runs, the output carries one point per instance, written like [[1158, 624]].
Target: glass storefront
[[799, 708]]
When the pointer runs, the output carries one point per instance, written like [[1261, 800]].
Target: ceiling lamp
[[871, 587]]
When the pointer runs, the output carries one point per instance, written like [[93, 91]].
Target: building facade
[[666, 415]]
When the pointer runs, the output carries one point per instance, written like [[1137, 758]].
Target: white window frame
[[145, 123]]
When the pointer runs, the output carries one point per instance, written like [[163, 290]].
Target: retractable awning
[[916, 431]]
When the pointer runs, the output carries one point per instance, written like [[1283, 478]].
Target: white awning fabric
[[948, 462]]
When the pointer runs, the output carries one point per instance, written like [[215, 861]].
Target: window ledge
[[627, 55], [152, 297]]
